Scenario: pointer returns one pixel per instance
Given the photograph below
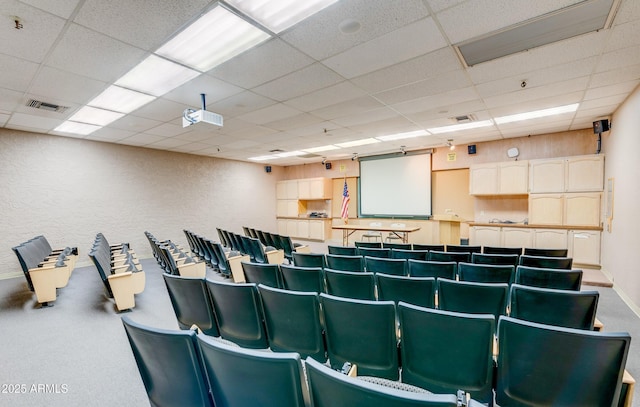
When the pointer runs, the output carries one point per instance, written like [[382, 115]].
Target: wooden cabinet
[[314, 188], [296, 199], [319, 229], [546, 175], [483, 179], [500, 236], [546, 209], [571, 174], [582, 209], [287, 208], [287, 189], [504, 178], [550, 238], [517, 237], [484, 236], [584, 246]]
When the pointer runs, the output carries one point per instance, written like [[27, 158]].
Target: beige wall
[[69, 189], [620, 245]]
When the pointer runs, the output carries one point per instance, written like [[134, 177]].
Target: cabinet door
[[292, 208], [546, 209], [304, 189], [282, 227], [584, 246], [517, 237], [483, 179], [303, 229], [550, 238], [281, 207], [292, 189], [281, 190], [514, 177], [546, 175], [318, 188], [316, 229], [585, 173], [292, 228], [484, 236], [582, 209]]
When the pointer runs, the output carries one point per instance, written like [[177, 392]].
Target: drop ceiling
[[314, 84]]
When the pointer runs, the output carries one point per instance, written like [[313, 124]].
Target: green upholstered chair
[[387, 266], [446, 351], [413, 290], [373, 245], [436, 269], [293, 322], [302, 278], [247, 377], [501, 250], [362, 333], [261, 273], [498, 259], [449, 256], [309, 260], [350, 284], [429, 247], [569, 309], [158, 351], [345, 263], [549, 278], [486, 273], [530, 251], [372, 252], [401, 246], [238, 312], [191, 304], [456, 248], [343, 250], [409, 254], [544, 365], [473, 298], [564, 263]]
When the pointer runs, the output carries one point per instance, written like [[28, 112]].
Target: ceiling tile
[[274, 58], [146, 24], [535, 93], [109, 134], [141, 139], [376, 17], [4, 118], [417, 38], [611, 77], [611, 90], [9, 99], [32, 42], [326, 97], [167, 130], [269, 114], [134, 123], [61, 8], [433, 86], [293, 122], [161, 110], [619, 59], [298, 83], [17, 74], [33, 123], [94, 55], [239, 104], [434, 101], [214, 90], [348, 108], [54, 83]]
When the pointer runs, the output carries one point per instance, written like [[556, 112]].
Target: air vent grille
[[51, 107]]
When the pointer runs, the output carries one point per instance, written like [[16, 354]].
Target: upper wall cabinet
[[315, 188], [287, 189], [571, 174], [504, 178]]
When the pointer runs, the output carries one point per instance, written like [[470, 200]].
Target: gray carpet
[[76, 353]]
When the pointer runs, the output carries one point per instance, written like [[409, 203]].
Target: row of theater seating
[[530, 251], [44, 268], [276, 241], [206, 372], [119, 270], [225, 261], [439, 350], [252, 247], [173, 259]]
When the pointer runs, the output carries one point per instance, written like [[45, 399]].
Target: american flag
[[344, 213]]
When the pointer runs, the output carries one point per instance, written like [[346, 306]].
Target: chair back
[[450, 256], [397, 267], [486, 273], [371, 252], [158, 351], [413, 290], [564, 263], [350, 284], [343, 250], [409, 254], [371, 245], [455, 248], [574, 367], [345, 263], [329, 388], [245, 377], [362, 333], [223, 263], [549, 278], [429, 247], [498, 259], [435, 344], [310, 279], [401, 246], [309, 260], [191, 304], [238, 312], [473, 298], [569, 309], [501, 250], [529, 251], [436, 269], [293, 323], [259, 273]]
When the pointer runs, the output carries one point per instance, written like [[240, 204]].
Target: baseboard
[[627, 300], [5, 276]]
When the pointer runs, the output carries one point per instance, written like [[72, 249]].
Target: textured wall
[[69, 189]]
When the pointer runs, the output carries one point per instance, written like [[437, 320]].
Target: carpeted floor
[[76, 353]]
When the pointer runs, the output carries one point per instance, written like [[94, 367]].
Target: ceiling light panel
[[356, 143], [120, 99], [77, 128], [214, 38], [278, 15], [400, 136], [156, 76], [321, 149], [537, 114], [92, 115], [459, 127]]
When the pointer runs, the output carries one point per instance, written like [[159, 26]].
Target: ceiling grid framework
[[312, 84]]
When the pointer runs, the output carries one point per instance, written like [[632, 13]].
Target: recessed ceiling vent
[[580, 18], [51, 107], [277, 150], [467, 118], [308, 155]]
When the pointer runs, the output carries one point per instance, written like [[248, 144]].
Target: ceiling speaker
[[267, 168], [471, 149], [600, 126], [327, 166]]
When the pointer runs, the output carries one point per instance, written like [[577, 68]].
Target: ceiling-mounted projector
[[192, 116]]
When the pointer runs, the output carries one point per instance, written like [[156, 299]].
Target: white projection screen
[[395, 186]]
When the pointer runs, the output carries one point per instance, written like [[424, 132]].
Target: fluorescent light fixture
[[120, 99], [156, 76], [77, 128], [290, 154], [92, 115], [537, 114], [215, 37], [463, 126], [278, 15], [400, 136], [263, 158], [356, 143], [321, 149]]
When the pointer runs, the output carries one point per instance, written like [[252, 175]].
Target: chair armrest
[[598, 325], [630, 382]]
